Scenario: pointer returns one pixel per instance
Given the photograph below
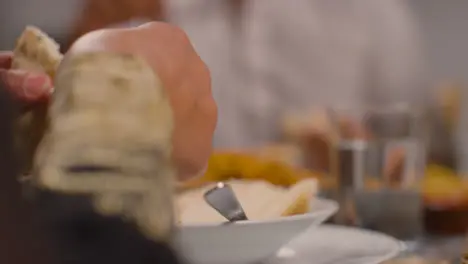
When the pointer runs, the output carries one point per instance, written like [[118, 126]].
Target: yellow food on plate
[[231, 165], [441, 183], [288, 153], [260, 200]]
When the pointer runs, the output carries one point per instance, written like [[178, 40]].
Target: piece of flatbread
[[110, 137], [34, 52], [106, 132]]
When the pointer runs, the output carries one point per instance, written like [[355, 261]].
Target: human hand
[[317, 139], [27, 87], [184, 76]]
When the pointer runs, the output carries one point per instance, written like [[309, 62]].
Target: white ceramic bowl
[[248, 241]]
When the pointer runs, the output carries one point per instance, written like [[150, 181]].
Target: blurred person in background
[[266, 57]]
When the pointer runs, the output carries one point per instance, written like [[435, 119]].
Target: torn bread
[[34, 52], [110, 137], [260, 200]]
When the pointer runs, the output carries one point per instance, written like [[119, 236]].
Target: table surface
[[448, 249]]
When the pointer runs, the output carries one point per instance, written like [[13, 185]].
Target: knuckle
[[151, 25], [179, 35], [175, 33]]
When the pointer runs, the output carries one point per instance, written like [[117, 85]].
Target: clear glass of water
[[378, 156]]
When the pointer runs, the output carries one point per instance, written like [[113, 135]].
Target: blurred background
[[368, 96], [442, 26]]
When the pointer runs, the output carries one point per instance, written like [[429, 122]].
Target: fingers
[[353, 130], [6, 58], [394, 166], [27, 86]]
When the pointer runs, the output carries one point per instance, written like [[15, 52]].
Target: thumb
[[27, 86]]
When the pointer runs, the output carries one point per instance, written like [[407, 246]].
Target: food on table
[[35, 52], [290, 154], [260, 200], [445, 197], [224, 166], [442, 185], [415, 260]]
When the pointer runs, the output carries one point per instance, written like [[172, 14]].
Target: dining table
[[436, 249]]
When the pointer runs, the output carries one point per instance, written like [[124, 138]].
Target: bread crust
[[36, 51], [110, 137]]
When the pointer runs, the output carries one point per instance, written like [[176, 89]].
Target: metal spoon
[[224, 201]]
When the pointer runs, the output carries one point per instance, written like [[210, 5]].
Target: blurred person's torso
[[268, 58]]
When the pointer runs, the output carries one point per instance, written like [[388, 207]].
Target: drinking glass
[[378, 156]]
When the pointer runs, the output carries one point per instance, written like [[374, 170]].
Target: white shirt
[[291, 55], [281, 55]]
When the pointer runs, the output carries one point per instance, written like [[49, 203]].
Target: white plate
[[249, 241], [329, 244]]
